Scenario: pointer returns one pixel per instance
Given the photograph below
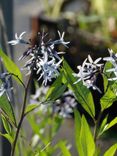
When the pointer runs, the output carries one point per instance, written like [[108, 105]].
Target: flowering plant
[[68, 90]]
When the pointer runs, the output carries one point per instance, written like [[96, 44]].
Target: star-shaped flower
[[18, 39], [112, 58], [48, 70], [43, 58], [5, 85], [88, 71]]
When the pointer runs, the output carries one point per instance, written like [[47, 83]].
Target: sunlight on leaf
[[109, 125], [56, 90], [64, 149], [83, 136], [7, 109], [111, 151], [82, 94], [31, 107], [8, 137], [10, 65]]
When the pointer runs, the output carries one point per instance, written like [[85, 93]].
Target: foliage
[[46, 109]]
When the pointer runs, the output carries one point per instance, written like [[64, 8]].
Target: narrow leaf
[[77, 133], [109, 125], [7, 110], [31, 107], [86, 138], [108, 98], [82, 94], [56, 90], [10, 65], [6, 124], [111, 151], [8, 137], [101, 128], [64, 149], [105, 82]]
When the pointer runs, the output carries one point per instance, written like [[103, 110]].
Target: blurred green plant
[[53, 8], [44, 112]]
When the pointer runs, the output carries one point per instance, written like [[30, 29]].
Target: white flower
[[94, 63], [90, 83], [18, 39], [112, 58], [83, 72], [43, 58], [65, 105], [114, 70], [61, 40], [6, 85], [48, 69], [88, 71]]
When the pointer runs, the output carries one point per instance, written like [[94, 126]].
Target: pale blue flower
[[5, 87], [88, 71], [112, 58], [43, 58], [18, 39]]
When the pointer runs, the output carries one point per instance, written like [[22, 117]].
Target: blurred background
[[89, 25]]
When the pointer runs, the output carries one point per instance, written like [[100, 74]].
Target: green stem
[[97, 123], [18, 79], [21, 118]]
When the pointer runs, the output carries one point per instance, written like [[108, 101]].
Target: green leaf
[[82, 94], [10, 65], [77, 133], [101, 128], [97, 151], [8, 137], [109, 125], [31, 107], [111, 151], [6, 124], [105, 82], [56, 90], [108, 98], [83, 136], [107, 66], [7, 110], [86, 138], [64, 149], [56, 123]]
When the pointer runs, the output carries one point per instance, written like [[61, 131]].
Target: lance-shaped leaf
[[10, 65], [111, 151], [83, 136], [86, 138], [6, 125], [8, 137], [109, 125], [7, 109], [82, 93], [77, 133], [109, 97], [30, 108], [101, 128], [65, 151], [56, 90]]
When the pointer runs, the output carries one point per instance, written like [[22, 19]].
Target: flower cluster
[[65, 105], [5, 85], [88, 71], [44, 59], [113, 60]]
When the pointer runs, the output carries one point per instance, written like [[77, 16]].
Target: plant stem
[[97, 122], [21, 118], [18, 79]]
